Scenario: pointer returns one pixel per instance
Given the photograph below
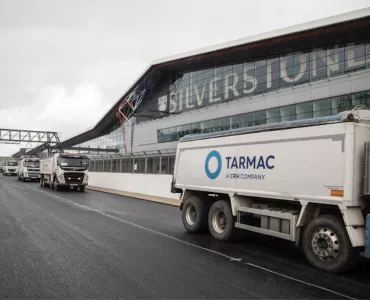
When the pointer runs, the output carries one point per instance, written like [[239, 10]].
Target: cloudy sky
[[64, 63]]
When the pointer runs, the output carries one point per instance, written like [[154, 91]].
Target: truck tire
[[326, 244], [23, 179], [221, 222], [54, 185], [18, 177], [81, 189], [194, 214]]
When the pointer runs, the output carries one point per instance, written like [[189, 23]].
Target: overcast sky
[[64, 63]]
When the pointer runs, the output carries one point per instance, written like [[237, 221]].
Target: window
[[173, 134], [288, 113], [273, 115], [355, 57], [359, 99], [335, 61], [235, 122], [195, 128], [259, 117], [204, 127], [287, 70], [187, 129], [368, 56], [301, 68], [213, 125], [261, 77], [319, 61], [224, 124], [304, 110], [180, 132], [246, 120], [322, 108]]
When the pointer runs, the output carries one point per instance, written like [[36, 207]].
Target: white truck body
[[10, 167], [300, 164], [282, 174], [64, 171], [28, 168]]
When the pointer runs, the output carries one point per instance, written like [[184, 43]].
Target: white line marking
[[199, 247], [301, 281]]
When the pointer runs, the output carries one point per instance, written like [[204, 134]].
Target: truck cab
[[10, 168], [64, 170], [29, 168]]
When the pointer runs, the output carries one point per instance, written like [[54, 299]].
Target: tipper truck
[[28, 168], [10, 167], [306, 181], [64, 170]]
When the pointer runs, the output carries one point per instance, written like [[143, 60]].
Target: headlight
[[61, 179]]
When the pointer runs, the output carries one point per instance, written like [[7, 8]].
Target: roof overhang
[[218, 54]]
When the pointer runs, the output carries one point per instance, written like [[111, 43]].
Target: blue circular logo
[[215, 174]]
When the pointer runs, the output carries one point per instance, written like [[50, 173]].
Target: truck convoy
[[306, 181], [28, 168], [10, 167], [64, 170]]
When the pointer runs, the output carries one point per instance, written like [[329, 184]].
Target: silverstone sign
[[261, 77]]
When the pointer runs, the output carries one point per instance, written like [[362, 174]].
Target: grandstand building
[[305, 71]]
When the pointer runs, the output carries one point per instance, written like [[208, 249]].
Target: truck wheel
[[81, 189], [326, 244], [194, 214], [54, 185], [24, 179], [18, 176], [221, 221]]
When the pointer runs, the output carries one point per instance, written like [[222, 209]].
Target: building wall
[[145, 134], [244, 87]]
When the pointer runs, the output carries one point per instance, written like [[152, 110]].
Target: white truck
[[10, 167], [64, 170], [28, 168], [305, 181]]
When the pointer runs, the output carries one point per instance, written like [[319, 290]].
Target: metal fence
[[151, 162]]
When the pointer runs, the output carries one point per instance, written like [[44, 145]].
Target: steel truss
[[28, 136]]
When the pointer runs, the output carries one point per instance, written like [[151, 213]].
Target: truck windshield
[[32, 164], [12, 163], [73, 162]]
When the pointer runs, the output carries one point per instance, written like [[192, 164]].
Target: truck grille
[[74, 178], [11, 170]]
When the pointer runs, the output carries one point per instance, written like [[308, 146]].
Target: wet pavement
[[94, 245]]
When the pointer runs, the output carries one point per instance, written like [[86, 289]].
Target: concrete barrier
[[153, 187]]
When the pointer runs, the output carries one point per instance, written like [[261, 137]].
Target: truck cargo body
[[64, 171], [28, 169], [275, 179]]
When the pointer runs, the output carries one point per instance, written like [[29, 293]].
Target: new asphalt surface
[[94, 245]]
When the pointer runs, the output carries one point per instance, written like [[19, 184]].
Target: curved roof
[[244, 43]]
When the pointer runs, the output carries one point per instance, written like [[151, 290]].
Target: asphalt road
[[95, 245]]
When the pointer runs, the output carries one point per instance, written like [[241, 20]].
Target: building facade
[[311, 70]]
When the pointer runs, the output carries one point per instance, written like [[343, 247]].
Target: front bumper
[[32, 176], [71, 184]]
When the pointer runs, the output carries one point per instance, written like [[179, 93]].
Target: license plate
[[74, 184]]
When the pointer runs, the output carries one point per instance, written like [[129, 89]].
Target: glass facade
[[196, 89], [306, 110], [113, 139], [190, 90]]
